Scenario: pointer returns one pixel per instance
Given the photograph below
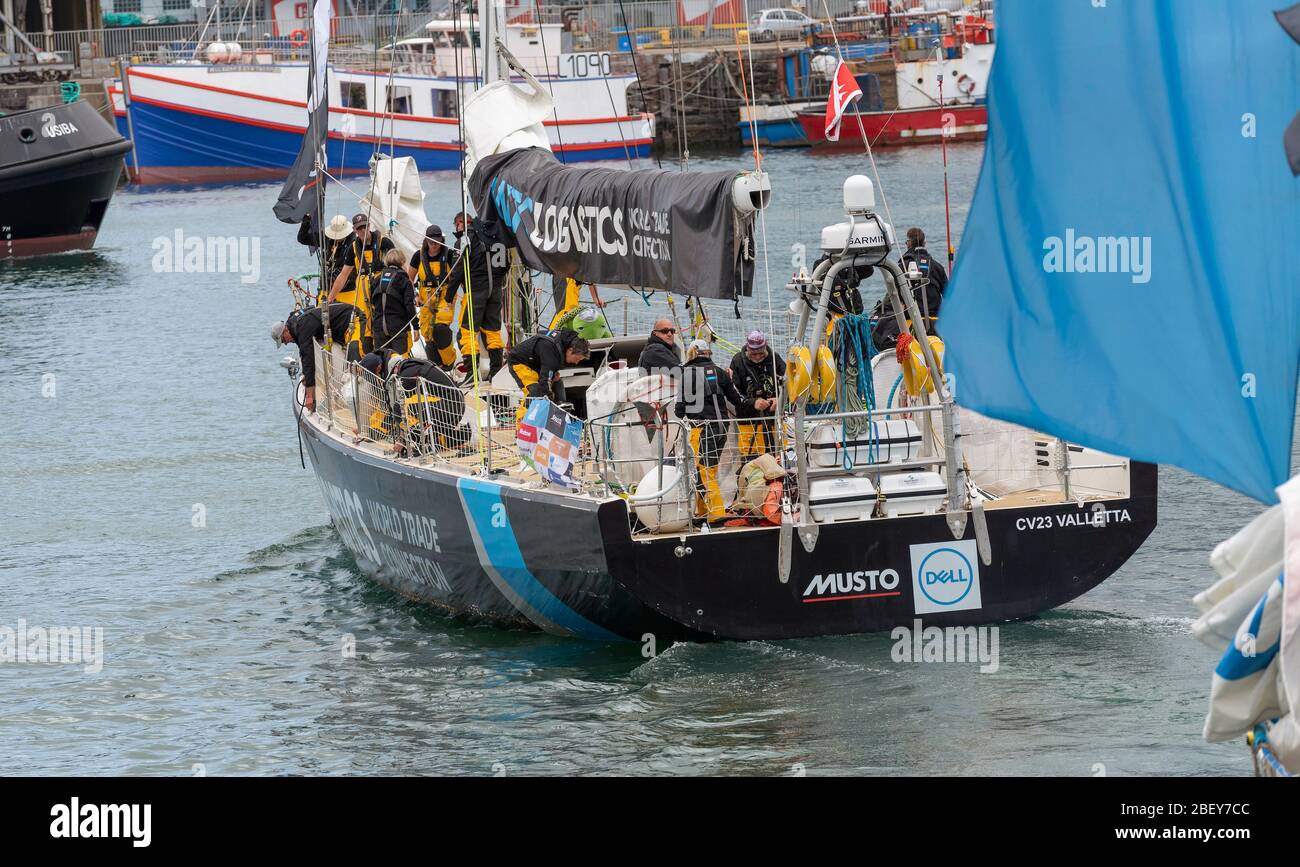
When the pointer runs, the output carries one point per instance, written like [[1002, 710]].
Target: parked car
[[769, 24]]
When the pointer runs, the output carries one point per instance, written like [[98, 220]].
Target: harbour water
[[153, 489]]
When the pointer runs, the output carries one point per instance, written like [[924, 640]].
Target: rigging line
[[893, 243], [322, 160], [683, 131], [614, 108], [555, 111], [389, 117], [631, 50], [744, 90], [627, 154], [943, 138], [243, 17], [467, 308], [758, 165]]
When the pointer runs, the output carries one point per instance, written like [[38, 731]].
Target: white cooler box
[[846, 498], [913, 493], [896, 440]]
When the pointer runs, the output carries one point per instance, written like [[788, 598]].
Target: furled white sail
[[500, 117], [395, 202], [1253, 614]]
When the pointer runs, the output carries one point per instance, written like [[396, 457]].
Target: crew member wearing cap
[[481, 271], [428, 270], [304, 329], [757, 371], [365, 258], [335, 238], [705, 387], [536, 362]]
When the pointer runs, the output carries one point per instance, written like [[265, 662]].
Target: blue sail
[[1129, 276]]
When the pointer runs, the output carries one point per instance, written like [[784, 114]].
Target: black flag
[[300, 195], [650, 229]]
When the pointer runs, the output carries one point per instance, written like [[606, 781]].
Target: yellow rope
[[465, 261]]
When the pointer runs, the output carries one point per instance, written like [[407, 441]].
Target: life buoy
[[298, 38], [966, 84], [916, 373], [803, 376]]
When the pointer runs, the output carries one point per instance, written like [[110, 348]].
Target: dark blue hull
[[490, 550]]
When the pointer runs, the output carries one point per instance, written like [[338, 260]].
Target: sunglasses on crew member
[[665, 331]]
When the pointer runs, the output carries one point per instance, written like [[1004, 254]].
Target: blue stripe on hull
[[169, 138], [501, 558]]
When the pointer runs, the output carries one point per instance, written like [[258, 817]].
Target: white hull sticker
[[945, 577]]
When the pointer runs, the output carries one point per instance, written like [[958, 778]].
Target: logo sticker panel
[[945, 577]]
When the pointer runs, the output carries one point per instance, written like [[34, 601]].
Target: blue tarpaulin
[[1129, 276]]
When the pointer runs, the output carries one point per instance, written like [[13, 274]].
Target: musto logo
[[945, 577], [51, 129], [842, 586]]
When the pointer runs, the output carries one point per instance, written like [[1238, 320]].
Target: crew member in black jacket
[[484, 281], [337, 239], [660, 352], [433, 406], [392, 305], [706, 389], [536, 363], [756, 371], [303, 329], [931, 269]]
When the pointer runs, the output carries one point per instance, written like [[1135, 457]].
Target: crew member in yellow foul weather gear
[[428, 270], [536, 363], [704, 388], [431, 407], [481, 271], [335, 240], [756, 371], [352, 285], [572, 298]]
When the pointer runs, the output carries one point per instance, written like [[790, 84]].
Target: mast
[[488, 30]]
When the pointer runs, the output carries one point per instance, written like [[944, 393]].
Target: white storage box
[[844, 498], [896, 440], [913, 493]]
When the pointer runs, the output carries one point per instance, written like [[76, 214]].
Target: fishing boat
[[220, 113], [59, 168], [892, 502], [914, 86]]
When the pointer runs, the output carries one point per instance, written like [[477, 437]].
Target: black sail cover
[[650, 229], [1290, 21]]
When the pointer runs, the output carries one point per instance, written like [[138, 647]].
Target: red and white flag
[[844, 90]]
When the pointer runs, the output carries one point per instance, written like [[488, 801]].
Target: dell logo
[[948, 576], [945, 576]]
